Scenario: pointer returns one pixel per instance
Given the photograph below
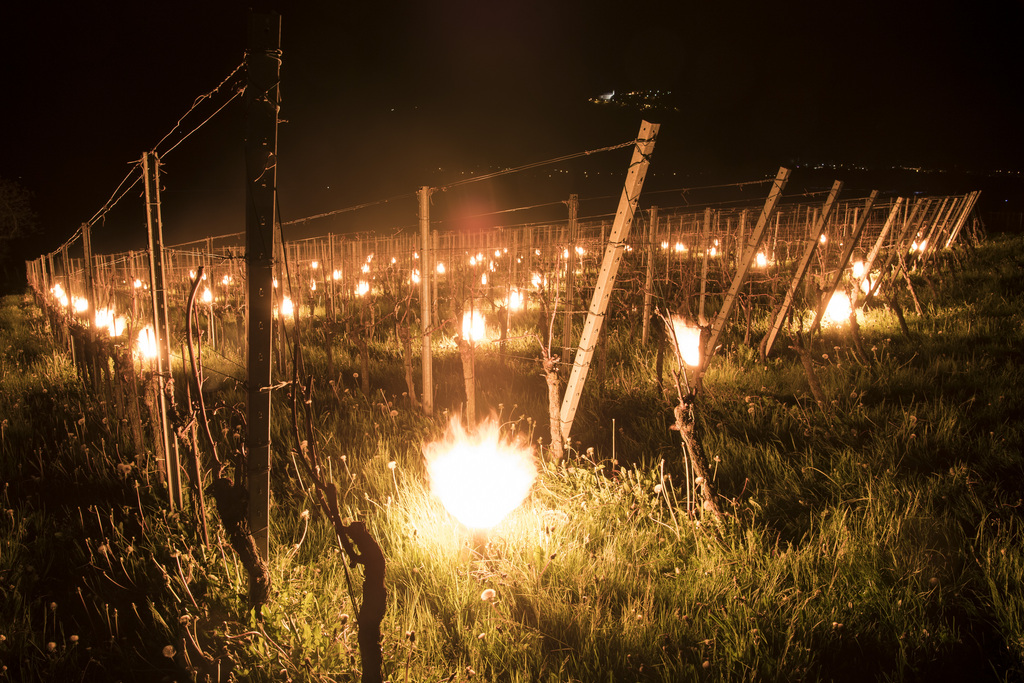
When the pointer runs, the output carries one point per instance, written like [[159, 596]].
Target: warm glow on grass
[[688, 339], [479, 477]]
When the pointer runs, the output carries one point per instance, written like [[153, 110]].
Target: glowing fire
[[515, 300], [480, 478], [688, 338], [838, 310], [474, 327], [147, 342], [858, 269], [107, 319], [762, 259]]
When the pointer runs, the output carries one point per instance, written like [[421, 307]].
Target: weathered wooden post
[[649, 278], [854, 239], [151, 172], [570, 276], [263, 66], [748, 250], [813, 237], [426, 275], [609, 267]]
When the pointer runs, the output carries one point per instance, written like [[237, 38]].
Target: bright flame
[[137, 284], [515, 299], [440, 269], [483, 279], [838, 310], [336, 275], [79, 304], [226, 280], [480, 478], [762, 260], [713, 251], [207, 295], [688, 339], [474, 327], [314, 264], [287, 307], [680, 247], [147, 342], [664, 245], [537, 279], [823, 239], [363, 288], [858, 269], [415, 277], [366, 268], [312, 285], [60, 295]]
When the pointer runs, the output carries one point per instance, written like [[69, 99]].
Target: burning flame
[[480, 478], [147, 342], [688, 338], [515, 300], [474, 327], [762, 259], [838, 310]]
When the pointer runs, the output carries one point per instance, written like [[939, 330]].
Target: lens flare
[[479, 477]]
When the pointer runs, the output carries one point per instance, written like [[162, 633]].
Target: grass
[[878, 537]]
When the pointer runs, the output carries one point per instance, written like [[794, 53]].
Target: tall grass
[[876, 537]]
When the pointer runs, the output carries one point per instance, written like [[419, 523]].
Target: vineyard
[[751, 435]]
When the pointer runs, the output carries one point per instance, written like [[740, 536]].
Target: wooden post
[[263, 66], [869, 262], [962, 218], [649, 279], [814, 238], [704, 241], [748, 251], [570, 276], [841, 267], [426, 275], [151, 171], [609, 267], [90, 275]]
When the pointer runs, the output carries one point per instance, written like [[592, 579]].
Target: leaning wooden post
[[748, 252], [972, 199], [814, 239], [609, 267], [649, 279], [263, 65], [844, 260], [869, 262], [426, 275]]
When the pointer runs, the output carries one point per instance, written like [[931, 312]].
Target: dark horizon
[[375, 101]]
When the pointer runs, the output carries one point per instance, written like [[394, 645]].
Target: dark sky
[[379, 96]]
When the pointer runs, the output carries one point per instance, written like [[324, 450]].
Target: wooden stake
[[749, 250], [263, 65], [851, 244], [814, 238], [609, 267]]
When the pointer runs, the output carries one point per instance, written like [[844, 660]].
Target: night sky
[[380, 98]]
